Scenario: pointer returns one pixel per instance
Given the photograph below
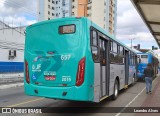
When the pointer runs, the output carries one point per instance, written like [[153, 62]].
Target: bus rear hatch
[[53, 52]]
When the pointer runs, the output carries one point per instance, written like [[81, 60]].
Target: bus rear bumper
[[82, 93]]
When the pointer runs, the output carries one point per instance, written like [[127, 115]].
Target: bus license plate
[[50, 78]]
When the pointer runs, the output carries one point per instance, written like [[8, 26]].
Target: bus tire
[[115, 91]]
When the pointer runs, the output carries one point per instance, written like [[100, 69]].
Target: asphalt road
[[15, 97]]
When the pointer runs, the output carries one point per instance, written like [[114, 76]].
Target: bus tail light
[[80, 72], [27, 72]]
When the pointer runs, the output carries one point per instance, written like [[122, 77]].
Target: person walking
[[148, 73]]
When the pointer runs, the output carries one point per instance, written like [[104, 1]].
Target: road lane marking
[[133, 99], [25, 102]]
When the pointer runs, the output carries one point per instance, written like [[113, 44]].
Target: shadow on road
[[83, 107]]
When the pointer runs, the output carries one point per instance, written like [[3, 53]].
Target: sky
[[18, 12], [129, 23]]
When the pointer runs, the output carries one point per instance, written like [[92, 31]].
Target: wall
[[11, 39]]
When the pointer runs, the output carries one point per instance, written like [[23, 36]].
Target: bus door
[[104, 67], [126, 67]]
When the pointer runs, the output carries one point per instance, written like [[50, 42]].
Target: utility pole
[[131, 41]]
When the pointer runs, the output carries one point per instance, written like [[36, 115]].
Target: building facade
[[101, 12], [50, 9], [11, 49]]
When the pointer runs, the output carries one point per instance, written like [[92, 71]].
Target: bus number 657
[[65, 57]]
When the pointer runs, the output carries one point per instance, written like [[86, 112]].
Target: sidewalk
[[152, 100], [9, 85], [10, 78]]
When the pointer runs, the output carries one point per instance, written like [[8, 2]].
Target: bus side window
[[94, 52], [121, 50], [115, 50], [94, 45], [111, 45], [94, 38]]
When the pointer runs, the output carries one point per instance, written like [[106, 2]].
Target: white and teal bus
[[74, 59]]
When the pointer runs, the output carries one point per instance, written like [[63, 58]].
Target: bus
[[74, 59], [144, 59]]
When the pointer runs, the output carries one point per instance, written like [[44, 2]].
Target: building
[[101, 12], [11, 49], [50, 9]]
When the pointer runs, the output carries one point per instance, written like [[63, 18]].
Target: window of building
[[89, 15], [63, 14], [89, 1], [52, 14], [48, 12], [89, 7], [48, 6], [48, 18], [48, 0]]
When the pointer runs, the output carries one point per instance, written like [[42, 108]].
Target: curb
[[11, 85]]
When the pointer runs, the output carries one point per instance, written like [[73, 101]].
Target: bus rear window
[[144, 56], [67, 29]]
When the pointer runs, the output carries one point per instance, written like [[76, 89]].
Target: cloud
[[18, 21], [18, 12], [131, 26], [139, 36]]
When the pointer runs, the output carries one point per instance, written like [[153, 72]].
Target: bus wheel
[[116, 89]]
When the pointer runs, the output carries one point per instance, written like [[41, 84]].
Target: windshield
[[144, 59]]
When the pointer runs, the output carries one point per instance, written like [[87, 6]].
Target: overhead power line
[[19, 5]]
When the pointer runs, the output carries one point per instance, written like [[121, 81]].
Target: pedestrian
[[148, 73]]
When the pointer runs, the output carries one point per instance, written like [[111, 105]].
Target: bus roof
[[85, 19]]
